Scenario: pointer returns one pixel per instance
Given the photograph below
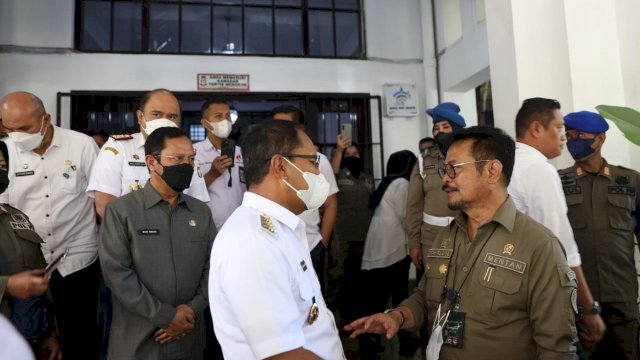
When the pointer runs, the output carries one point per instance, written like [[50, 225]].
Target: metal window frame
[[145, 25]]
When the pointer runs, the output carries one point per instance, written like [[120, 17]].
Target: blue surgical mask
[[580, 148]]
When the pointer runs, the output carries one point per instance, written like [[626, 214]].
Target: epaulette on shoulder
[[565, 170], [267, 224], [119, 137]]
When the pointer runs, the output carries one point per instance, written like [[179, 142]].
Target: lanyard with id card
[[453, 329]]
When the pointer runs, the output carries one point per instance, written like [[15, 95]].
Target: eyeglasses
[[315, 158], [450, 169], [178, 159]]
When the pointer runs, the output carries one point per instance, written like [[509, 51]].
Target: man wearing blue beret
[[427, 211], [602, 201]]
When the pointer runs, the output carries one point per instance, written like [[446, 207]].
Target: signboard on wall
[[226, 82], [400, 100]]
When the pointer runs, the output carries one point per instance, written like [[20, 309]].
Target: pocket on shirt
[[72, 182], [620, 212], [575, 211], [435, 274], [499, 288]]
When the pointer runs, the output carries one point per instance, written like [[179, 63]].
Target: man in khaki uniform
[[602, 199], [427, 211], [496, 284]]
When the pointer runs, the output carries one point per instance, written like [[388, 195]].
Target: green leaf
[[626, 119]]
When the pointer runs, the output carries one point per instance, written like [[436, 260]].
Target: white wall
[[395, 46]]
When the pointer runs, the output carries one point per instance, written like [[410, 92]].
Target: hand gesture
[[183, 322], [376, 324], [27, 283], [220, 165], [342, 143], [595, 328], [416, 257]]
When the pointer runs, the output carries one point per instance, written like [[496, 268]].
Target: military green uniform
[[601, 210], [426, 196], [20, 251], [352, 224], [19, 248], [515, 287]]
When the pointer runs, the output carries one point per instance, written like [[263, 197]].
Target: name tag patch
[[570, 190], [505, 263], [619, 190], [439, 253], [25, 173], [148, 232], [137, 163]]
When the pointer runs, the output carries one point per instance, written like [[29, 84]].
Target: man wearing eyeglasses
[[496, 283], [602, 200], [536, 190], [154, 251], [264, 295]]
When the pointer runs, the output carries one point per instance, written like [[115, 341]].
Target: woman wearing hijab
[[385, 260]]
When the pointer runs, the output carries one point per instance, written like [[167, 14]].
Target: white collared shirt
[[387, 238], [262, 286], [121, 165], [312, 217], [536, 190], [50, 189], [12, 344], [224, 198]]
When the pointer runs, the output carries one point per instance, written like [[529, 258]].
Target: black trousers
[[75, 302]]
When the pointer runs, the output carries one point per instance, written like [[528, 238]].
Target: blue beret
[[586, 121], [447, 111]]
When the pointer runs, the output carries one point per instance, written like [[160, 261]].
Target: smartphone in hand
[[346, 131], [229, 149], [55, 263]]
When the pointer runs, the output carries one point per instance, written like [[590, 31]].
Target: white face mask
[[318, 190], [435, 341], [155, 124], [221, 129], [26, 141]]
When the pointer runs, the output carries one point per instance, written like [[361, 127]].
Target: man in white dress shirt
[[48, 173], [264, 296], [120, 167], [319, 229], [537, 191], [223, 176]]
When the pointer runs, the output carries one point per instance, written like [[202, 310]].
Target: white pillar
[[568, 50]]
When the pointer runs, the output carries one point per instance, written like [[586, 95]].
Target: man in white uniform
[[48, 173], [120, 167], [537, 191], [224, 176], [264, 296]]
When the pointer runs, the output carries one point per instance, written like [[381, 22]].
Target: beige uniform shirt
[[518, 296], [426, 196]]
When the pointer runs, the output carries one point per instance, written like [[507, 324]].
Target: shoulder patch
[[267, 224], [121, 137], [112, 149]]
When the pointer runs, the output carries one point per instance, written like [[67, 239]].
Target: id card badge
[[453, 330]]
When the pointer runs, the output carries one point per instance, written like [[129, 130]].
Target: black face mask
[[444, 141], [178, 177], [353, 164]]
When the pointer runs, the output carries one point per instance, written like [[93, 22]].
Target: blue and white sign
[[400, 100]]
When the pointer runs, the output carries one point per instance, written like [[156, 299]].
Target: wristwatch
[[595, 310], [401, 315]]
